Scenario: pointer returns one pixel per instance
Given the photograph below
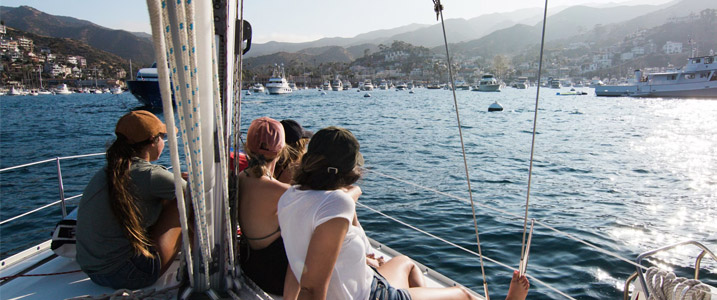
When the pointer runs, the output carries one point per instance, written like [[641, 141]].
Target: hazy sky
[[300, 20]]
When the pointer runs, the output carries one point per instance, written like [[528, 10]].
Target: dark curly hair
[[332, 160]]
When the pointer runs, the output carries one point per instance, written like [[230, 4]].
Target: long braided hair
[[122, 197]]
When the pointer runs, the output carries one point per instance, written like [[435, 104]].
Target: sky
[[301, 20]]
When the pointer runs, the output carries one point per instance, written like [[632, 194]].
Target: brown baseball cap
[[265, 137], [139, 126]]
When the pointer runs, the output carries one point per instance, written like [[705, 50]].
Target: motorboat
[[488, 83], [462, 85], [554, 83], [347, 85], [257, 88], [521, 83], [337, 85], [277, 84], [367, 85], [697, 79], [62, 90], [116, 90], [14, 92], [326, 86], [145, 87], [401, 86], [383, 85]]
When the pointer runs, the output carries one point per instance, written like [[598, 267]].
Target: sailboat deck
[[41, 260]]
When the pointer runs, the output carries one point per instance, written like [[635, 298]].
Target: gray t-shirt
[[101, 244]]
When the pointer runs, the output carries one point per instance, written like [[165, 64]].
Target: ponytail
[[123, 201]]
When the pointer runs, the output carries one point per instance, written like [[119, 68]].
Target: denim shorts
[[381, 290], [136, 272]]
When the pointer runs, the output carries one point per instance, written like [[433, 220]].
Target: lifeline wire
[[570, 236], [438, 8], [532, 145], [461, 247]]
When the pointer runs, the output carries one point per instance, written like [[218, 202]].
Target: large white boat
[[62, 90], [698, 79], [521, 83], [488, 83], [277, 82], [337, 85], [383, 85], [257, 88], [367, 85]]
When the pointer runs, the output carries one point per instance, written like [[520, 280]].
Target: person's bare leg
[[519, 286], [167, 233], [402, 273]]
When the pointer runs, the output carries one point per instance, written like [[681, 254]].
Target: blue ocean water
[[627, 175]]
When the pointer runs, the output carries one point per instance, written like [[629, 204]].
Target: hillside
[[64, 46], [122, 43]]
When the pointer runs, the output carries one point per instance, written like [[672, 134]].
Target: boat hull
[[147, 92], [692, 90]]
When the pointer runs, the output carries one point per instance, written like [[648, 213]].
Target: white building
[[672, 47], [627, 56]]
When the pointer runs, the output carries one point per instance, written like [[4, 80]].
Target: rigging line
[[438, 8], [535, 125], [461, 248], [157, 21], [568, 235]]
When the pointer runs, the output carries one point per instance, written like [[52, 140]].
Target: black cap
[[293, 131]]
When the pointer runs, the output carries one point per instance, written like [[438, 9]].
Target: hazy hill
[[122, 43], [579, 19], [369, 37], [505, 41]]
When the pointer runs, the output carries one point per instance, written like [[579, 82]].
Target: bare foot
[[519, 286]]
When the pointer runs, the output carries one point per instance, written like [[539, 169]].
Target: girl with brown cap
[[128, 229], [261, 247]]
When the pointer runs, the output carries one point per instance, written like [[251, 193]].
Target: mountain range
[[486, 35], [125, 44]]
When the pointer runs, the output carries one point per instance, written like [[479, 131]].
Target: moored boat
[[145, 87], [277, 84], [697, 79], [488, 83]]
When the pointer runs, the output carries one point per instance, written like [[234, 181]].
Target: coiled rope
[[666, 285], [438, 8]]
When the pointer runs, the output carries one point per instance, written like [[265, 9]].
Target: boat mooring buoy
[[495, 107], [323, 93], [410, 91], [248, 92], [367, 95]]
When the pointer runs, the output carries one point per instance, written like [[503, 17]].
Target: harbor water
[[627, 175]]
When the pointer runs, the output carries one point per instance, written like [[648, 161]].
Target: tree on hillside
[[500, 65]]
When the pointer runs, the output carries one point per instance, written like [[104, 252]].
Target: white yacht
[[383, 85], [488, 83], [277, 82], [337, 85], [116, 90], [62, 90], [15, 92], [698, 79], [257, 88], [367, 85], [521, 83], [326, 86]]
